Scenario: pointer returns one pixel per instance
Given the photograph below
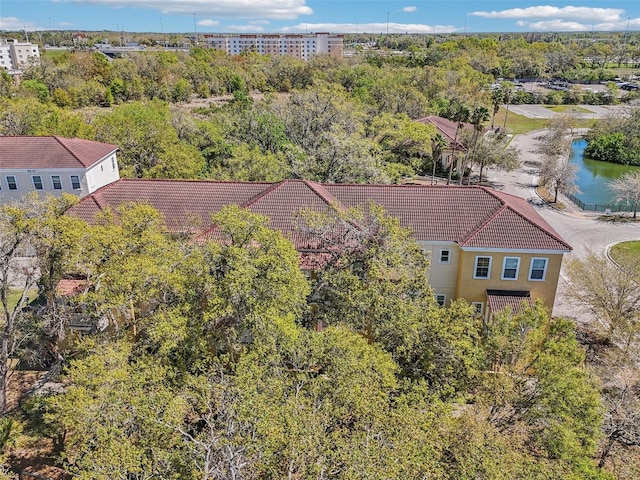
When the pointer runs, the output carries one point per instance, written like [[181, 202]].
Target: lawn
[[517, 124], [567, 109], [625, 248]]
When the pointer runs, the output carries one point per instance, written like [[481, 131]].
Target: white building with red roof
[[55, 165], [488, 247]]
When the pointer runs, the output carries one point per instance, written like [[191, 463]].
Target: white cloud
[[274, 9], [558, 25], [409, 9], [64, 24], [14, 23], [368, 28], [258, 22], [208, 23], [547, 11]]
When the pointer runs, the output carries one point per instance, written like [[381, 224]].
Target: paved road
[[582, 230]]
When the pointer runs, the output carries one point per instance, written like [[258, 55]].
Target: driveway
[[582, 230]]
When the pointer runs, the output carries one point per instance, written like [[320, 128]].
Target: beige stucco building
[[488, 247]]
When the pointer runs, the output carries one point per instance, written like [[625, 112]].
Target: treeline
[[204, 361]]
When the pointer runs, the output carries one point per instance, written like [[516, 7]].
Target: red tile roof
[[51, 152], [498, 300], [447, 129], [469, 215]]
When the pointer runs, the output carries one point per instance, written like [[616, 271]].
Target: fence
[[600, 207]]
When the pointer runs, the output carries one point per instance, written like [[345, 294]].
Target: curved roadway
[[582, 230]]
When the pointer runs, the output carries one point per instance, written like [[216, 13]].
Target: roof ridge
[[320, 190], [478, 227], [521, 215], [64, 145], [263, 193]]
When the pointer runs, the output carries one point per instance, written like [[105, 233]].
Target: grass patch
[[548, 196], [518, 124], [625, 249], [567, 109], [14, 297]]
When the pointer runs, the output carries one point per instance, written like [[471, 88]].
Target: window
[[11, 182], [75, 182], [479, 306], [445, 256], [56, 182], [113, 163], [510, 268], [482, 267], [37, 182], [441, 299], [538, 269]]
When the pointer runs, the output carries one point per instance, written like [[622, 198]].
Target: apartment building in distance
[[15, 55], [294, 45]]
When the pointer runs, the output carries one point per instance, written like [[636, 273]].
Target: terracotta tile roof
[[471, 216], [186, 205], [447, 129], [51, 152], [498, 300]]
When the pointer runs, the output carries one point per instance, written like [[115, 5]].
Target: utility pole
[[387, 29], [195, 30]]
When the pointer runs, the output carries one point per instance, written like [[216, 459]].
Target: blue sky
[[293, 16]]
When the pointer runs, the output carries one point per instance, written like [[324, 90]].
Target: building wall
[[474, 289], [100, 174], [443, 275], [293, 45], [16, 55], [24, 182]]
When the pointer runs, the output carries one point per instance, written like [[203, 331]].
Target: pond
[[593, 177]]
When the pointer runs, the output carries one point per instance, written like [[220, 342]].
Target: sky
[[307, 16]]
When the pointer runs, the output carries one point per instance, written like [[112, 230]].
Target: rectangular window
[[11, 182], [113, 163], [482, 267], [479, 306], [538, 270], [445, 256], [37, 182], [441, 299], [75, 182], [510, 268], [56, 182]]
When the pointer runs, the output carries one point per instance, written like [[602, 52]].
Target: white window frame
[[479, 307], [33, 180], [441, 299], [79, 183], [475, 267], [447, 254], [14, 182], [504, 267], [53, 182], [544, 270]]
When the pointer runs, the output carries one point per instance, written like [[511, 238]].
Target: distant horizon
[[305, 16]]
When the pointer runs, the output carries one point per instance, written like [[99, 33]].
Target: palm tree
[[478, 116], [496, 99], [438, 143], [460, 115], [507, 91]]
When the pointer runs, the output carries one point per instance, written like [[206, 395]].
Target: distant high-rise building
[[15, 55], [294, 45]]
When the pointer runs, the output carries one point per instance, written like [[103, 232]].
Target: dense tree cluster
[[205, 361], [616, 139]]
